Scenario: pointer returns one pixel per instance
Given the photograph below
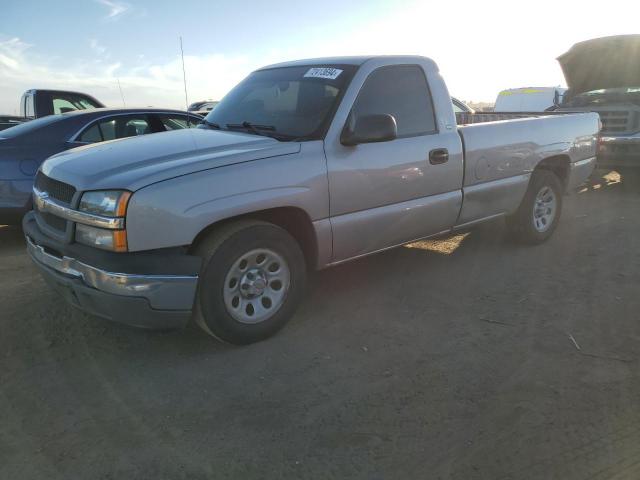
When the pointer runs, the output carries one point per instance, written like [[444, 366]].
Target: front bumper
[[622, 151], [157, 301]]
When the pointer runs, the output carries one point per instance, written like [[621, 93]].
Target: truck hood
[[133, 163], [607, 62]]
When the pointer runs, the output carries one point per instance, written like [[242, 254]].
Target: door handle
[[438, 156]]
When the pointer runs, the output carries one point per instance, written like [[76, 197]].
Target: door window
[[63, 102], [458, 106], [28, 108], [116, 127], [61, 105], [92, 134], [178, 122], [401, 91]]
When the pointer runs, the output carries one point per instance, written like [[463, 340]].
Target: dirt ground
[[465, 358]]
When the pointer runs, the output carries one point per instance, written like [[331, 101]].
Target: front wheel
[[538, 215], [252, 281]]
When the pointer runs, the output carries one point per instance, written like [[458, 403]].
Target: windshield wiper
[[263, 130], [211, 124], [252, 127]]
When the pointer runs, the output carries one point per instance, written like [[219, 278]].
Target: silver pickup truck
[[302, 166]]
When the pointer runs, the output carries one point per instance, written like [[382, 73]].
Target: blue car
[[24, 147]]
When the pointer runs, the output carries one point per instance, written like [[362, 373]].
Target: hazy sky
[[481, 46]]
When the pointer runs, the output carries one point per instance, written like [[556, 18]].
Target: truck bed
[[465, 118], [500, 156]]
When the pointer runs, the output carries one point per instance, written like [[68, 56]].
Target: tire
[[539, 212], [251, 282]]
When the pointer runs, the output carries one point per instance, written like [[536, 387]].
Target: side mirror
[[369, 129]]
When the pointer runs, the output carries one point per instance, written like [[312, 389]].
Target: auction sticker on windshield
[[323, 72]]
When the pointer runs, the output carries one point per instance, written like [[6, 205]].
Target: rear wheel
[[251, 282], [539, 213]]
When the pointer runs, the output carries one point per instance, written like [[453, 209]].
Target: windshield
[[287, 103], [28, 127], [604, 95], [613, 90]]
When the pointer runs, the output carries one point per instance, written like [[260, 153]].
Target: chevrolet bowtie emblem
[[40, 198]]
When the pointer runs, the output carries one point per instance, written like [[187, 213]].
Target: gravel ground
[[464, 358]]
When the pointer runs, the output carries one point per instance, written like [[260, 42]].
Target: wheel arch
[[560, 165], [294, 220]]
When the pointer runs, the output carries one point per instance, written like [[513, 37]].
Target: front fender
[[173, 212]]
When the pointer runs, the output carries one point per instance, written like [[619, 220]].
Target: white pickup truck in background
[[529, 99]]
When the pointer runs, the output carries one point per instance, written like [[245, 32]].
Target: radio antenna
[[124, 104], [184, 77]]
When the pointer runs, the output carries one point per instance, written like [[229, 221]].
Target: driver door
[[389, 193]]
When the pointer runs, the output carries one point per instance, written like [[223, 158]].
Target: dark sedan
[[8, 121], [24, 147]]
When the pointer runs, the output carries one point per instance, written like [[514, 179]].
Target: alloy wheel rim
[[544, 209], [256, 286]]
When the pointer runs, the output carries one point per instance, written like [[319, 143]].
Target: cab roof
[[354, 60], [115, 110]]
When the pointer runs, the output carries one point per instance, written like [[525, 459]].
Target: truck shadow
[[434, 267], [608, 180]]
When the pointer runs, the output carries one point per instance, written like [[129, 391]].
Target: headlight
[[114, 240], [110, 203], [107, 203]]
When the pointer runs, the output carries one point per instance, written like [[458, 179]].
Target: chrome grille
[[616, 121], [56, 189]]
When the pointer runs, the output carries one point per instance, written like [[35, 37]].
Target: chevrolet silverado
[[302, 166]]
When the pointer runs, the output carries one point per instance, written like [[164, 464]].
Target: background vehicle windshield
[[298, 102], [613, 90], [605, 95]]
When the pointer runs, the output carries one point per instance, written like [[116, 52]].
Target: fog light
[[114, 240]]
